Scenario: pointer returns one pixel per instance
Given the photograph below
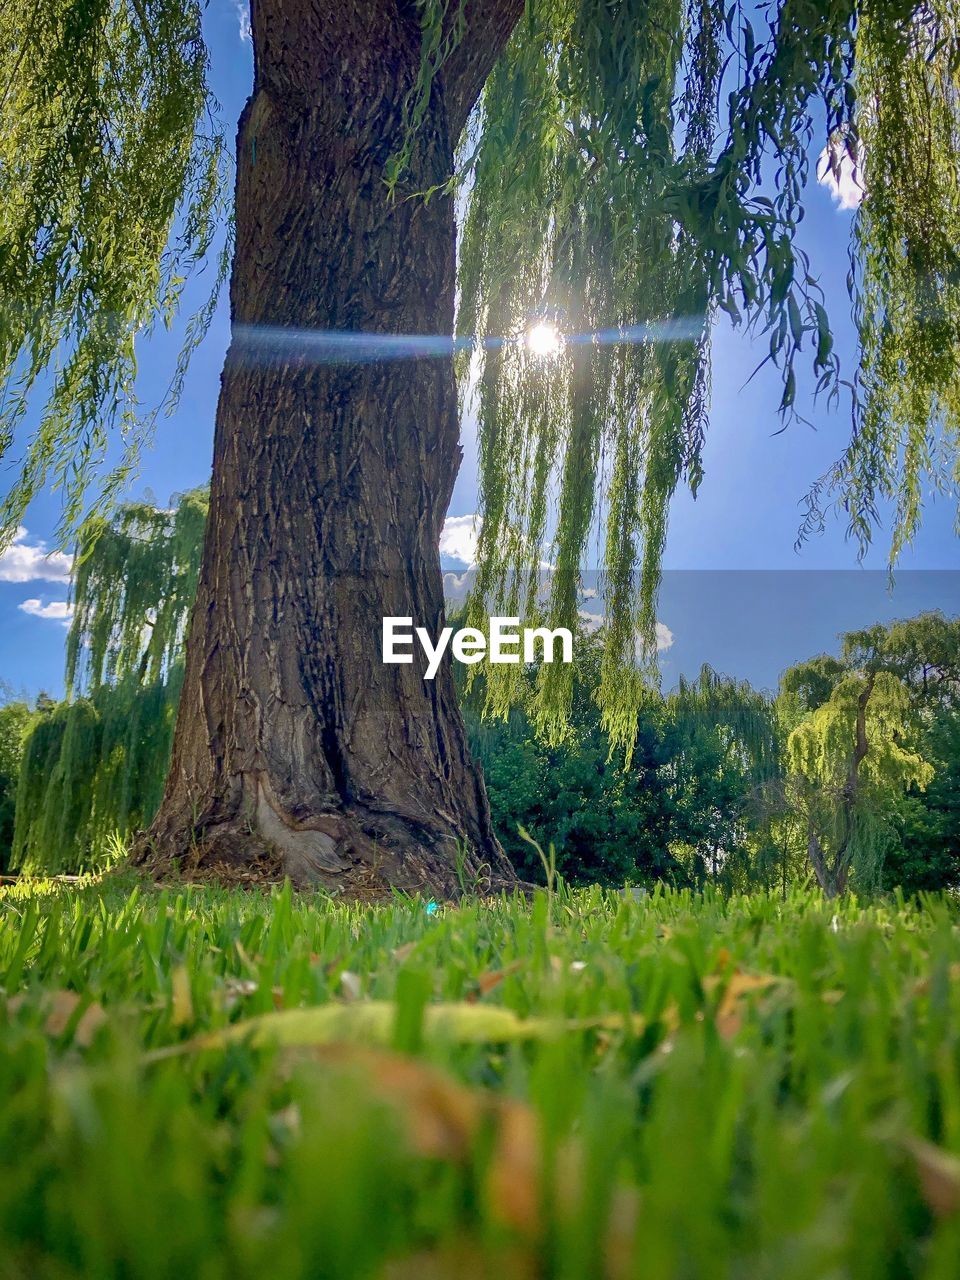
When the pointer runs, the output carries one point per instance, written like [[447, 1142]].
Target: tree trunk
[[833, 876], [331, 479]]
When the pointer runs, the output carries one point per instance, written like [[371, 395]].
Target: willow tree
[[93, 765], [609, 158], [857, 729], [845, 760]]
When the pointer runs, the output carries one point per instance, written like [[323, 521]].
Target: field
[[212, 1083]]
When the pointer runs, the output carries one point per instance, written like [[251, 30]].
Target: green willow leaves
[[133, 586], [906, 262], [636, 168], [94, 765], [112, 188]]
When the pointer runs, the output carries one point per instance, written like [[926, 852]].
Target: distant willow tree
[[857, 732], [627, 169], [93, 766]]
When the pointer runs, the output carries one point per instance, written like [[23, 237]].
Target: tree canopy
[[860, 731], [633, 168]]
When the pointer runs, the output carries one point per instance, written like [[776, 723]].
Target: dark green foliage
[[14, 720], [607, 825], [925, 851], [93, 768], [678, 811]]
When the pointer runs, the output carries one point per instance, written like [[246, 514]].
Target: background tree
[[614, 160], [681, 810], [14, 721], [94, 765], [864, 729], [608, 824], [925, 854]]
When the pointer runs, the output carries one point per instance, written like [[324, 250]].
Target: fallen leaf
[[467, 1259], [488, 982], [729, 1015], [62, 1011], [939, 1174], [442, 1119]]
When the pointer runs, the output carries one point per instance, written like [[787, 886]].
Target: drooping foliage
[[94, 766], [905, 138], [112, 188], [618, 174], [15, 719], [923, 652], [857, 735], [741, 717], [820, 747], [132, 590]]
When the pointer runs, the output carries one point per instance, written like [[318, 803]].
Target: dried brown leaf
[[939, 1175]]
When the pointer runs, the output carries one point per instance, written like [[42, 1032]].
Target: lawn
[[212, 1083]]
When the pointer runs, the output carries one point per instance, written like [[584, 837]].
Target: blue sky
[[745, 518]]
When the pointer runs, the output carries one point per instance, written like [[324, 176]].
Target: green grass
[[650, 1111]]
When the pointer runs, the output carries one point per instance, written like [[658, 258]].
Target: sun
[[544, 339]]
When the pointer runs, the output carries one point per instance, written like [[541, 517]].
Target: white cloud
[[27, 562], [56, 610], [592, 622], [458, 539], [456, 585], [664, 637], [839, 171], [243, 17]]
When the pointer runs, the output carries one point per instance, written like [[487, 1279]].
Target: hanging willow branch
[[906, 275], [132, 590], [112, 189], [94, 766], [616, 168]]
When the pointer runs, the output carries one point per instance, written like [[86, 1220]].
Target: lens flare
[[263, 344], [544, 339]]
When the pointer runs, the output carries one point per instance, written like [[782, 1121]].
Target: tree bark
[[331, 480]]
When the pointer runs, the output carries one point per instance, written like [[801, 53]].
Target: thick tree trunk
[[331, 480]]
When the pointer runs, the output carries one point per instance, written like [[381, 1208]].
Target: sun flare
[[544, 339]]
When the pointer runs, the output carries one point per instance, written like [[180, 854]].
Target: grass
[[203, 1083]]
